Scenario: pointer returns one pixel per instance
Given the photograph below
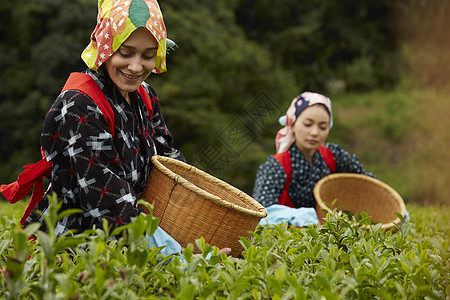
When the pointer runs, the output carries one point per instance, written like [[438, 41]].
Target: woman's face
[[131, 64], [311, 128]]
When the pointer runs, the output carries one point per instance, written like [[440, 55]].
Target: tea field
[[337, 260]]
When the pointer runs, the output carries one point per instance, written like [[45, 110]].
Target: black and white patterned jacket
[[91, 170]]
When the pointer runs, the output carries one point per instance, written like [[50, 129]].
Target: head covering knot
[[116, 21], [285, 136]]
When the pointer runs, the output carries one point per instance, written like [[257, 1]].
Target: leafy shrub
[[337, 260]]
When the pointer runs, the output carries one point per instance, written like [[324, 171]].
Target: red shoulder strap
[[147, 100], [328, 157], [33, 174], [86, 84], [284, 159]]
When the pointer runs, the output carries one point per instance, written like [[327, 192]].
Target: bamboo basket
[[191, 204], [357, 193]]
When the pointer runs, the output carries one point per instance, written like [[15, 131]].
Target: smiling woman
[[133, 62], [101, 132]]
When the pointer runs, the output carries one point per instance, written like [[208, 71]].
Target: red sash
[[33, 174], [284, 159]]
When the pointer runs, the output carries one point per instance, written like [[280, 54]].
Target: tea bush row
[[337, 260]]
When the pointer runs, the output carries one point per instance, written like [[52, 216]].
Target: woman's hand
[[227, 251]]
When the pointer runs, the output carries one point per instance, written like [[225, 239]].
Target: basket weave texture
[[357, 193], [191, 204]]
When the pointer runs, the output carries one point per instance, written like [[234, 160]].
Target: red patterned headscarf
[[116, 20], [285, 136]]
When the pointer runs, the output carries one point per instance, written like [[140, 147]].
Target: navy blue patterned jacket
[[271, 177]]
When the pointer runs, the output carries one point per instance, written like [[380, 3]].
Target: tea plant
[[337, 260]]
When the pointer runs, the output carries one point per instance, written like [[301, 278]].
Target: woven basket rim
[[395, 194], [260, 211]]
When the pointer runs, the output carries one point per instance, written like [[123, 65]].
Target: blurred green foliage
[[238, 65], [327, 41]]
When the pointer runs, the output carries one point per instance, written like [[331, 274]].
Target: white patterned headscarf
[[285, 136]]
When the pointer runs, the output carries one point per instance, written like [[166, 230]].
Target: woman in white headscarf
[[284, 183]]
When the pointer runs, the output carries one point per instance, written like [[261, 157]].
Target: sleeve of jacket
[[87, 170], [269, 182], [161, 134], [347, 162]]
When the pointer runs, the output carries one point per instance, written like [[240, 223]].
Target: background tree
[[238, 66], [215, 74], [332, 45]]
